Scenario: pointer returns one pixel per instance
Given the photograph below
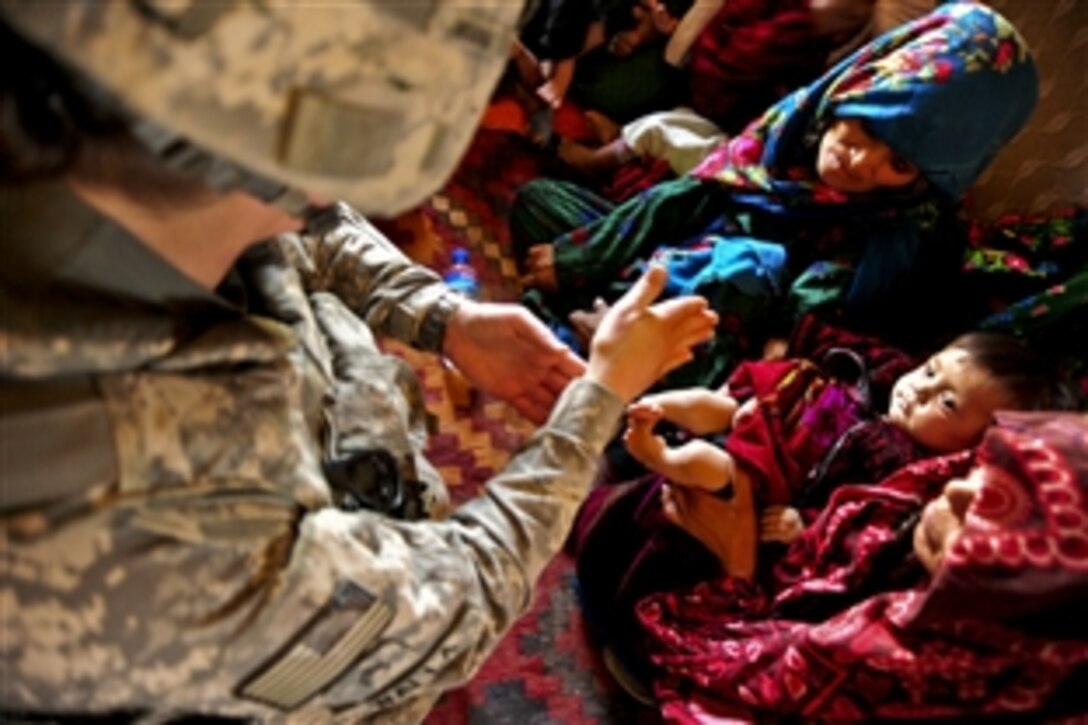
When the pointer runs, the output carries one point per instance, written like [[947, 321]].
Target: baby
[[787, 418]]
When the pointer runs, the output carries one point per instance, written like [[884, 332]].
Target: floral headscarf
[[850, 627], [946, 92]]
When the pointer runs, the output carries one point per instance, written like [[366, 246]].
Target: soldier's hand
[[638, 341], [506, 352]]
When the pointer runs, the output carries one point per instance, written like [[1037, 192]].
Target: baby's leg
[[698, 464]]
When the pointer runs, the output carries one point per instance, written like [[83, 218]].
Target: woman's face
[[852, 161], [944, 517]]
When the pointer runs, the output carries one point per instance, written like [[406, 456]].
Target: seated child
[[555, 35], [788, 420], [605, 33]]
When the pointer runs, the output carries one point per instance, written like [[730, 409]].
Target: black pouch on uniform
[[371, 479]]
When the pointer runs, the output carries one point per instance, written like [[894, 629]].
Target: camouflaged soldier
[[210, 473]]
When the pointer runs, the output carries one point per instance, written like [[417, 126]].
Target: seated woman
[[863, 167], [954, 589]]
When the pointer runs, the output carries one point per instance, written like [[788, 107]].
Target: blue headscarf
[[946, 92]]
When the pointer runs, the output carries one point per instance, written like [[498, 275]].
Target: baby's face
[[945, 404], [853, 161]]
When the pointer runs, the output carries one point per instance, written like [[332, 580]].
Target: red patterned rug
[[545, 670]]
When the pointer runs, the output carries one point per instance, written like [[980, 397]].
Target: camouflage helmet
[[370, 101]]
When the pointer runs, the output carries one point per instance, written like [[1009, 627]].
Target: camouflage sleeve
[[236, 601], [344, 254], [439, 594]]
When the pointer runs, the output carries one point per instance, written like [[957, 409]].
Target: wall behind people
[[1047, 163]]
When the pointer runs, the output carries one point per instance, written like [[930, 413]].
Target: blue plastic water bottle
[[461, 277]]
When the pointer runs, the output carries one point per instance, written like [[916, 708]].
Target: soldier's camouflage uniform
[[170, 544]]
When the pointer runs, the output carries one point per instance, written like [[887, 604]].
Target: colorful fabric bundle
[[625, 547]]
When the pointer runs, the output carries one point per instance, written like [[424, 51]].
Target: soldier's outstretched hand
[[638, 341]]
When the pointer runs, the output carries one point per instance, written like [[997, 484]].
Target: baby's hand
[[644, 411], [647, 448], [780, 523]]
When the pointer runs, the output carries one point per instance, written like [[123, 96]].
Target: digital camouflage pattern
[[341, 99], [204, 569]]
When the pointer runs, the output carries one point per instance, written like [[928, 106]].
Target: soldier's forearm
[[344, 254], [450, 590]]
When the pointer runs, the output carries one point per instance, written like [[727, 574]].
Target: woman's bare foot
[[540, 268], [586, 322]]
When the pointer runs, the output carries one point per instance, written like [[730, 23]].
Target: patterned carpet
[[545, 671]]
